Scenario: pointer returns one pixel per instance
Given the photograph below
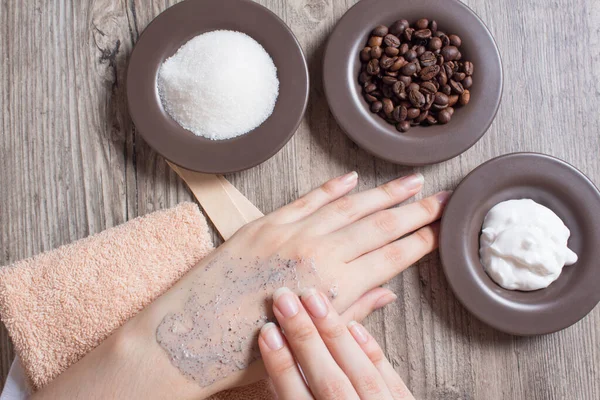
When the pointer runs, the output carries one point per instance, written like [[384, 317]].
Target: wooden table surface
[[72, 164]]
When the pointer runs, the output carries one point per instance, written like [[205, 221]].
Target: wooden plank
[[71, 164]]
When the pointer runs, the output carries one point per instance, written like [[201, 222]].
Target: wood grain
[[71, 164]]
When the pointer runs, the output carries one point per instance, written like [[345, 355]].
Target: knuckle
[[375, 354], [424, 237], [283, 365], [333, 332], [429, 207], [393, 254], [332, 389], [369, 384], [302, 333], [399, 391], [329, 188], [387, 191], [301, 203], [386, 222], [344, 205]]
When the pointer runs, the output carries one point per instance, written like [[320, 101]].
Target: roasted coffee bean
[[391, 73], [398, 27], [377, 93], [364, 78], [373, 67], [386, 62], [445, 40], [468, 68], [467, 82], [365, 54], [399, 113], [398, 88], [427, 59], [428, 102], [449, 53], [406, 104], [413, 86], [429, 73], [435, 44], [448, 69], [369, 98], [441, 99], [404, 47], [380, 30], [438, 33], [459, 55], [389, 80], [446, 89], [370, 87], [459, 76], [444, 116], [442, 78], [457, 87], [452, 100], [413, 113], [410, 55], [408, 34], [407, 80], [433, 26], [408, 69], [464, 98], [420, 50], [392, 51], [391, 40], [418, 65], [399, 63], [422, 117], [403, 126], [376, 52], [422, 23], [376, 106], [431, 120], [388, 106], [422, 34], [451, 110], [455, 40], [438, 107], [440, 60], [375, 41], [416, 98], [428, 88]]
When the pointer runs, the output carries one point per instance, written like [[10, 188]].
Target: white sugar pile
[[219, 85]]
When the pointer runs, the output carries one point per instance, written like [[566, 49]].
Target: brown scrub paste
[[215, 334]]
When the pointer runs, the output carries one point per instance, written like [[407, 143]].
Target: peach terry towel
[[59, 305]]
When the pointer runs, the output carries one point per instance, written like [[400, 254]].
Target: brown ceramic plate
[[554, 184], [173, 28], [420, 145]]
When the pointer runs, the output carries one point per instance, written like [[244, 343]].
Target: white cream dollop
[[523, 245]]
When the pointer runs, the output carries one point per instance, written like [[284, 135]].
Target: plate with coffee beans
[[414, 83]]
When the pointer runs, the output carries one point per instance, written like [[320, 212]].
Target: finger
[[383, 227], [281, 365], [348, 209], [385, 263], [325, 378], [372, 300], [369, 345], [365, 378], [314, 200]]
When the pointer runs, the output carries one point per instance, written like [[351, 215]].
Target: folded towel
[[59, 305]]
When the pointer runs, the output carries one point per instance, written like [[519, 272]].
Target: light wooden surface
[[71, 164]]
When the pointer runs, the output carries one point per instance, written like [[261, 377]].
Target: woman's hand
[[322, 357]]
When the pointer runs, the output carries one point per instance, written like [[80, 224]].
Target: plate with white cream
[[519, 243], [217, 86]]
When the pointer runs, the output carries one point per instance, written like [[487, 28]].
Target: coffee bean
[[392, 51], [433, 26], [380, 30], [377, 93], [422, 34], [452, 100], [427, 59], [444, 116], [408, 34], [431, 120], [420, 50], [386, 90], [464, 98], [440, 60], [373, 67], [399, 63], [449, 53], [428, 88], [467, 82], [438, 107], [442, 78], [418, 65], [407, 80], [413, 113], [446, 89], [391, 73], [451, 110], [376, 106], [375, 41], [435, 43], [455, 40], [398, 88], [413, 86], [386, 62], [399, 113], [404, 47], [421, 117], [376, 52], [468, 68], [410, 55], [388, 106], [416, 98], [365, 54], [370, 87], [459, 76], [457, 87], [459, 55], [398, 27], [448, 69], [428, 73], [428, 101], [403, 126], [389, 80], [391, 40], [445, 40], [369, 98], [441, 99], [422, 23], [408, 69]]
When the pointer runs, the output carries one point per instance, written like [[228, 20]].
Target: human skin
[[356, 243]]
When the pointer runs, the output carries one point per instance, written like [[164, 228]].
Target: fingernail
[[358, 331], [286, 302], [271, 336], [385, 300], [350, 178], [443, 197], [314, 303], [413, 181]]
